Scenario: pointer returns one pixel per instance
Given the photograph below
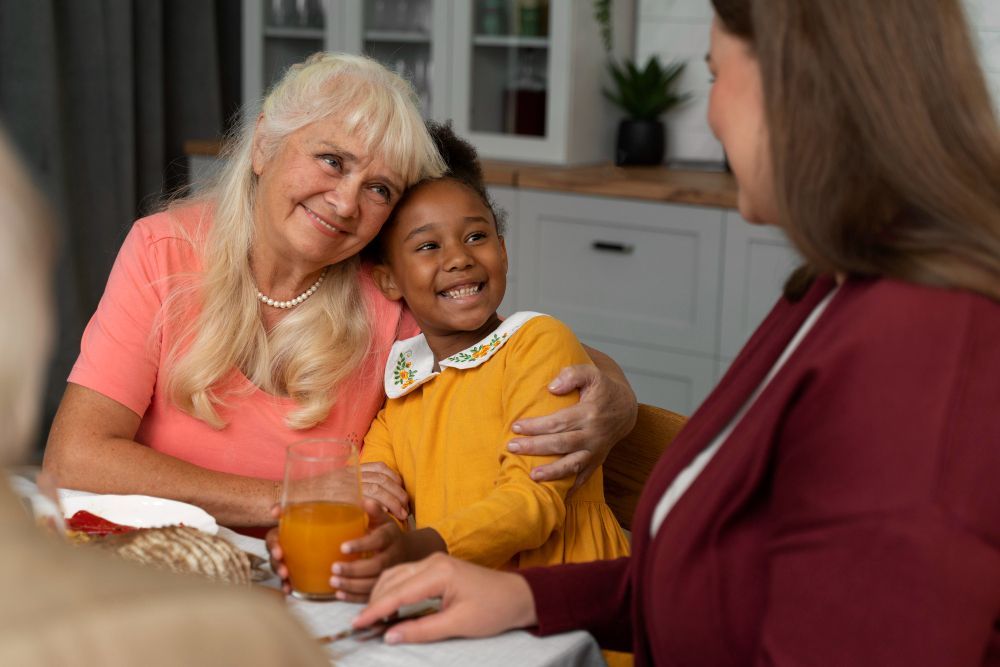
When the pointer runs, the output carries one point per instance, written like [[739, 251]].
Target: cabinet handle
[[609, 246]]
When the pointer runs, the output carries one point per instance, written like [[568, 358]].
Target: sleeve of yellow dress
[[378, 443], [519, 514], [378, 449]]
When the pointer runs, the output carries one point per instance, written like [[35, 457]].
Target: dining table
[[327, 618], [517, 647]]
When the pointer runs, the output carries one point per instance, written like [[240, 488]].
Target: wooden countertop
[[704, 188], [662, 184]]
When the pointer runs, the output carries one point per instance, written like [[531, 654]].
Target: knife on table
[[377, 629]]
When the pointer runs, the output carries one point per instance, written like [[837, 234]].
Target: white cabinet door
[[621, 270], [678, 382], [758, 260]]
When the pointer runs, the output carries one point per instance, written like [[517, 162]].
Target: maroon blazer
[[853, 516]]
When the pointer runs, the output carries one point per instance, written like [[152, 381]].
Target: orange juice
[[311, 534]]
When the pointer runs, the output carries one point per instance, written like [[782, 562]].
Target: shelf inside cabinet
[[294, 33], [407, 37], [511, 41]]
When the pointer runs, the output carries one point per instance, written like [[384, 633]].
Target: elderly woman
[[835, 501], [242, 320], [62, 605]]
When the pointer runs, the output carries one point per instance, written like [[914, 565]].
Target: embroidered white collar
[[411, 362]]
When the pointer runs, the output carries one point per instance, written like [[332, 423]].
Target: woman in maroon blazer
[[836, 500]]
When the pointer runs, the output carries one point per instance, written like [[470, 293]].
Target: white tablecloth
[[516, 648]]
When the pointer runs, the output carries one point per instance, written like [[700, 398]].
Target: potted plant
[[644, 95]]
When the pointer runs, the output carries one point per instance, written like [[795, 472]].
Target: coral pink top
[[123, 352]]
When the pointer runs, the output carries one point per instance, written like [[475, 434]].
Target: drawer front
[[669, 380], [621, 270]]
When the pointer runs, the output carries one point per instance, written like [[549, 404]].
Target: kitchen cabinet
[[671, 292], [521, 79], [532, 93], [673, 380], [623, 270], [758, 260], [279, 33]]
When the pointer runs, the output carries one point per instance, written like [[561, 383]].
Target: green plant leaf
[[602, 14], [646, 92]]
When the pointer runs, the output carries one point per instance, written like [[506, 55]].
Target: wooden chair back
[[631, 460]]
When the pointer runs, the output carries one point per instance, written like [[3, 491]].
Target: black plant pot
[[640, 142]]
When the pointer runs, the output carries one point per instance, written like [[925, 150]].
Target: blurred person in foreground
[[836, 499], [239, 321], [64, 605]]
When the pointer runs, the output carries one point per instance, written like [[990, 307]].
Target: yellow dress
[[446, 434]]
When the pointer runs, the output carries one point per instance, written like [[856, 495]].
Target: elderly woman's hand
[[383, 485], [584, 433]]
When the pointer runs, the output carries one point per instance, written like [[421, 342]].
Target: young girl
[[455, 390]]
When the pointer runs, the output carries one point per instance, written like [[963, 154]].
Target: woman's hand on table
[[584, 433], [384, 485], [475, 601], [385, 545]]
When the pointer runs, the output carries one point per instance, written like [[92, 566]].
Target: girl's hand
[[384, 545], [383, 485], [475, 601], [582, 434]]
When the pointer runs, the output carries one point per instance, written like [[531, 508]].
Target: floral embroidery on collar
[[411, 362], [478, 351], [403, 374]]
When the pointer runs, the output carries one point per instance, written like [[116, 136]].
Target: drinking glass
[[320, 510]]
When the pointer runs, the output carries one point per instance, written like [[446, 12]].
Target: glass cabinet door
[[280, 33], [410, 37], [511, 76], [510, 67], [293, 29], [398, 34]]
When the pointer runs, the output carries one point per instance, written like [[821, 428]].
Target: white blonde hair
[[26, 245], [319, 344]]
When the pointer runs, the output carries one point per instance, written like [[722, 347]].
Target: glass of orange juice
[[320, 510]]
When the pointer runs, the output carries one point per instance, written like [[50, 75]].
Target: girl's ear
[[382, 275], [503, 253]]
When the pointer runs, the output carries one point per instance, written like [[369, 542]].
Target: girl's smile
[[445, 258]]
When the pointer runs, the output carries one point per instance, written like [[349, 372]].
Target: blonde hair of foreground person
[[68, 606], [25, 322], [322, 341]]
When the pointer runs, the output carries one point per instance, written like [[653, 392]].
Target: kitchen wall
[[678, 29]]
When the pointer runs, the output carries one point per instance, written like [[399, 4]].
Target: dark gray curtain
[[99, 96]]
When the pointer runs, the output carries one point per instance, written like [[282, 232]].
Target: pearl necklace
[[291, 303]]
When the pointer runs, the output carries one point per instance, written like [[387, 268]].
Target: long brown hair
[[884, 142]]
